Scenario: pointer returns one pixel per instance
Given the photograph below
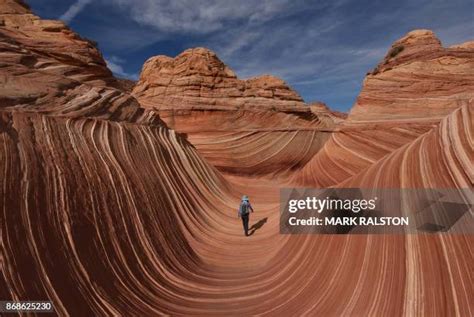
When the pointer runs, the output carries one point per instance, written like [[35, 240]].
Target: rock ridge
[[198, 79]]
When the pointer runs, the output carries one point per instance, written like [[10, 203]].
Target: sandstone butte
[[124, 204], [255, 126], [417, 85]]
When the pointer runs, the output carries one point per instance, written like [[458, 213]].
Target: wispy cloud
[[201, 16], [74, 10], [115, 63]]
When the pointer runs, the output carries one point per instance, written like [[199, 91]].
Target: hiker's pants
[[245, 222]]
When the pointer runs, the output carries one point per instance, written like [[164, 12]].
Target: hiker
[[244, 211]]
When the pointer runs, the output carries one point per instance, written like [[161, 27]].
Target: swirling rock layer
[[246, 127], [107, 211], [417, 84]]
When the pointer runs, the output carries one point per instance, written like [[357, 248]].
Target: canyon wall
[[418, 83], [255, 126], [106, 210]]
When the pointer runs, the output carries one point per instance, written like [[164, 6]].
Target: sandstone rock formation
[[198, 79], [443, 156], [417, 70], [47, 68], [104, 210], [237, 125], [416, 85], [321, 109]]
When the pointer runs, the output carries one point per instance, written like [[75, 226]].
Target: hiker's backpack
[[244, 208]]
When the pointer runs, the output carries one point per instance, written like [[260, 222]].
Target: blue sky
[[322, 49]]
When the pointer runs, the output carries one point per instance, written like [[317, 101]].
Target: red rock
[[106, 211], [47, 68], [421, 82], [198, 79], [245, 127], [408, 96], [439, 158], [321, 109]]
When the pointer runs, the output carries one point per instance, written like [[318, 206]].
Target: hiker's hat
[[245, 197]]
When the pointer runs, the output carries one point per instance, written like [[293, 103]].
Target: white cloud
[[201, 16], [74, 10], [114, 64], [240, 42]]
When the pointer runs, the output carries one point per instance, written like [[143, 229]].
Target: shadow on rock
[[257, 226]]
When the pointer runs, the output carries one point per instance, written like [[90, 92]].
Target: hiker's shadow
[[257, 226]]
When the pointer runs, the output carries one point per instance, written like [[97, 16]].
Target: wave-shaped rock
[[416, 85], [106, 211], [417, 80], [255, 126], [47, 68], [439, 158]]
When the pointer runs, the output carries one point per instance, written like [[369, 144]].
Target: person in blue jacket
[[244, 212]]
